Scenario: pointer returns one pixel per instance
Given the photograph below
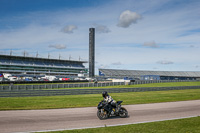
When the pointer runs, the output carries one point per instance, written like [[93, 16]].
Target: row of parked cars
[[9, 77]]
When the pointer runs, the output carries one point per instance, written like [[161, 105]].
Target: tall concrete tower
[[91, 52]]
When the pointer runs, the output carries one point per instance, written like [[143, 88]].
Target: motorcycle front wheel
[[123, 112], [102, 115]]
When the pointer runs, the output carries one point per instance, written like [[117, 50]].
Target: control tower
[[91, 52]]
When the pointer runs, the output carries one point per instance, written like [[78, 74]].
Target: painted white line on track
[[107, 125]]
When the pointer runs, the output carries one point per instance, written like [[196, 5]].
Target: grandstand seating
[[138, 73], [40, 65]]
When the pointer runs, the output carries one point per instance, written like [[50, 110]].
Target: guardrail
[[29, 93], [80, 85]]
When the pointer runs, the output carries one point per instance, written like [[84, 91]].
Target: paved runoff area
[[80, 118]]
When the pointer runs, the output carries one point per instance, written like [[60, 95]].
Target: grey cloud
[[165, 62], [117, 63], [101, 28], [127, 18], [197, 66], [58, 46], [69, 29], [193, 46], [151, 44]]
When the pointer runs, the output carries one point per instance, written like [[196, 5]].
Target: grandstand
[[150, 75], [20, 65]]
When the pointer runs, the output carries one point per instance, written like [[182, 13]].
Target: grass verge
[[168, 84], [91, 100], [187, 125]]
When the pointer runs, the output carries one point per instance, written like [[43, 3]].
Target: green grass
[[168, 84], [196, 83], [188, 125], [91, 100]]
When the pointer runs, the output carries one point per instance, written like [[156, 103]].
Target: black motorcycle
[[106, 110]]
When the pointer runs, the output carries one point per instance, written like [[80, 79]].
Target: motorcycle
[[106, 110]]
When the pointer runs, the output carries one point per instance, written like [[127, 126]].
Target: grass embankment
[[91, 100], [188, 125], [168, 84]]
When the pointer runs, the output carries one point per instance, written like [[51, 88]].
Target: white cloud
[[169, 25], [69, 29], [127, 18], [165, 62], [58, 46], [101, 28]]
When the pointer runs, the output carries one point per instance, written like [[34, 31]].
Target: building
[[33, 66], [150, 75]]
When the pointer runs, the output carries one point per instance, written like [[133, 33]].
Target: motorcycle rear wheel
[[102, 116], [123, 113]]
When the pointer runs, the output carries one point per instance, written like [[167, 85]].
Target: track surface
[[59, 119]]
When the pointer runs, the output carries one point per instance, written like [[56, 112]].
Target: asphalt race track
[[77, 118]]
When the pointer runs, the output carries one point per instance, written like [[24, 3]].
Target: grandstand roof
[[38, 59], [127, 73]]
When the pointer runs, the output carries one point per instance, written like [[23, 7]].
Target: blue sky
[[160, 35]]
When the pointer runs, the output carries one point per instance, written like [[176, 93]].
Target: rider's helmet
[[104, 94]]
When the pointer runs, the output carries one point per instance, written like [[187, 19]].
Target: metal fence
[[29, 93], [16, 87]]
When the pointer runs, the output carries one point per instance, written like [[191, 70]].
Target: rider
[[109, 99]]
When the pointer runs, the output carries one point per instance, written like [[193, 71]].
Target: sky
[[157, 35]]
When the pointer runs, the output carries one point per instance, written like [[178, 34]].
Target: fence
[[28, 93], [13, 87]]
